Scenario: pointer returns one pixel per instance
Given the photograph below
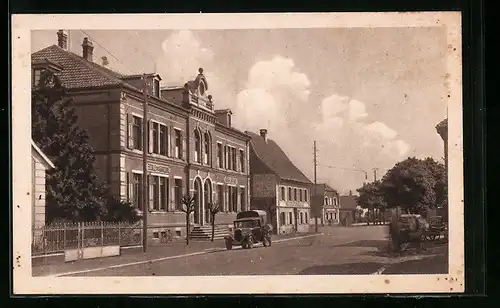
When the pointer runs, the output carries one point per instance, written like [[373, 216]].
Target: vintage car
[[250, 227], [437, 227]]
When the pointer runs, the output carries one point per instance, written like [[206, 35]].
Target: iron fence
[[56, 238]]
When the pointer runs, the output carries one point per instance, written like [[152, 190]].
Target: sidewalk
[[56, 265]]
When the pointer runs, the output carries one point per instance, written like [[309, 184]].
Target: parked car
[[250, 227]]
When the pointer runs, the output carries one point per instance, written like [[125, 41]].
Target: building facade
[[326, 204], [192, 149], [39, 166], [348, 209], [278, 186]]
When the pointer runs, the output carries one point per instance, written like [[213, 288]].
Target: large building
[[325, 202], [278, 186], [192, 150]]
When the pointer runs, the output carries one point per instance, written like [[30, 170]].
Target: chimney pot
[[88, 49], [263, 133], [62, 39]]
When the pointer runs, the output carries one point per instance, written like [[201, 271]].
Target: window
[[36, 77], [178, 144], [305, 195], [326, 201], [137, 190], [156, 88], [301, 195], [225, 157], [233, 199], [290, 216], [220, 196], [307, 221], [301, 218], [289, 194], [164, 193], [206, 150], [243, 199], [282, 193], [233, 150], [295, 194], [282, 219], [220, 160], [154, 193], [137, 132], [163, 140], [334, 201], [155, 131], [178, 194], [197, 146], [242, 161]]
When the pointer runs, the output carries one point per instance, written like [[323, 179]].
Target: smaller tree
[[214, 209], [120, 211], [188, 208], [371, 198]]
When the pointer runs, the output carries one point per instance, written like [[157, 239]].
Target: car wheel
[[229, 244], [266, 241]]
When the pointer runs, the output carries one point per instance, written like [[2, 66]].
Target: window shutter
[[150, 136], [130, 131], [130, 187], [183, 147], [151, 195], [171, 144]]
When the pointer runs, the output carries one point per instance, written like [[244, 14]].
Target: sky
[[369, 97]]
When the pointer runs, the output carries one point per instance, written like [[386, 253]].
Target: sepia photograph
[[216, 153]]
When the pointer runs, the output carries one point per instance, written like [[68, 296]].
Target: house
[[278, 186], [193, 148], [325, 202], [348, 209], [40, 163]]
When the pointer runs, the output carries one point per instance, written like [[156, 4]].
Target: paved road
[[337, 251]]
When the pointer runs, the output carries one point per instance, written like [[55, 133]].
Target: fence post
[[64, 236], [102, 233]]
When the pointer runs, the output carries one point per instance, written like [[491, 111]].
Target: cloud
[[382, 129], [357, 110], [182, 56]]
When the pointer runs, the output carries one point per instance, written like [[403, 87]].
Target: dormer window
[[156, 88]]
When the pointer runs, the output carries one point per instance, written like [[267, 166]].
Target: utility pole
[[145, 149], [375, 174], [315, 182]]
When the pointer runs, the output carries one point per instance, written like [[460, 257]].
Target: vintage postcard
[[237, 153]]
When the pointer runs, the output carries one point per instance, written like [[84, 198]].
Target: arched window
[[197, 146], [207, 153]]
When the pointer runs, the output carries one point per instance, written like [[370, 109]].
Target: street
[[335, 251]]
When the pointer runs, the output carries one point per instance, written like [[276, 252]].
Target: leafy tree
[[371, 198], [438, 171], [214, 210], [410, 185], [119, 210], [188, 206], [73, 190]]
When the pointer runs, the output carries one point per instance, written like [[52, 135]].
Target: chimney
[[88, 49], [62, 39], [263, 134]]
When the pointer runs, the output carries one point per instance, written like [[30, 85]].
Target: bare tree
[[214, 208], [188, 208]]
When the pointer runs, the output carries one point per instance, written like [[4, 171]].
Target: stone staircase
[[204, 233]]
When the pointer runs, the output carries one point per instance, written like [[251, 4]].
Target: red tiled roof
[[77, 72], [273, 156]]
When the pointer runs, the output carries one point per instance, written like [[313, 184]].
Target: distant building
[[325, 201], [193, 149], [348, 209], [39, 166], [278, 186]]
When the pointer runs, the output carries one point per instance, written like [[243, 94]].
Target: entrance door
[[207, 191], [197, 201]]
